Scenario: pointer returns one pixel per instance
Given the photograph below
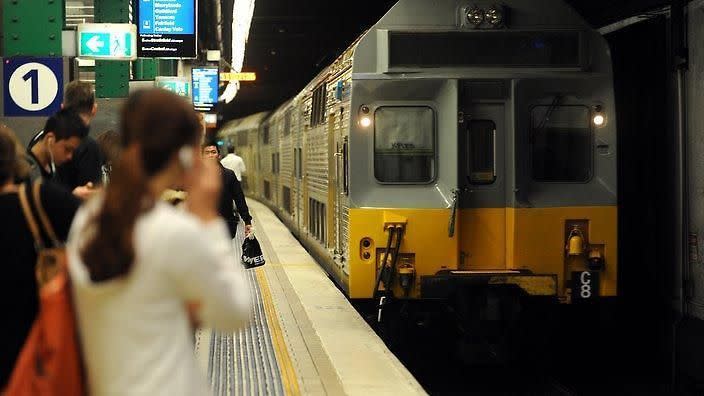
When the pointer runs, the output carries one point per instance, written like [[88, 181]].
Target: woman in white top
[[139, 267]]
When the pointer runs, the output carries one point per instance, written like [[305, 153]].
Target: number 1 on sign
[[34, 76]]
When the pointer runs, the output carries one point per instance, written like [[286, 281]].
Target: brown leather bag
[[50, 361]]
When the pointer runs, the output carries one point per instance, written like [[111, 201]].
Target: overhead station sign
[[116, 41], [167, 28], [205, 87]]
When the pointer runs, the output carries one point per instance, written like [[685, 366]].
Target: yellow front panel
[[482, 238], [426, 236], [493, 238], [536, 240]]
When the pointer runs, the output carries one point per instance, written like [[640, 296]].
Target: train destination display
[[167, 28]]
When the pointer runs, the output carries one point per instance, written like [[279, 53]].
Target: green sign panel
[[107, 41], [178, 85]]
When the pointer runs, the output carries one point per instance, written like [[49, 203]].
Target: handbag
[[252, 255], [50, 360]]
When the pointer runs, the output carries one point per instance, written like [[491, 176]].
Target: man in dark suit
[[231, 191]]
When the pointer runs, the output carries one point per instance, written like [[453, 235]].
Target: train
[[457, 148]]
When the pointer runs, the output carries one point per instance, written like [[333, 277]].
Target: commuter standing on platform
[[19, 300], [234, 163], [139, 266], [85, 166], [83, 170], [62, 133], [231, 191]]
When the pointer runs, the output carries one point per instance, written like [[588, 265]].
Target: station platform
[[305, 337]]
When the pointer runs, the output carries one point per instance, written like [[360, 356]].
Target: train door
[[482, 197]]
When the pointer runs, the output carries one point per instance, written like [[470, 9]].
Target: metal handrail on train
[[388, 279]]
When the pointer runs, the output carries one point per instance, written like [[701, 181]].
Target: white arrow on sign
[[94, 44]]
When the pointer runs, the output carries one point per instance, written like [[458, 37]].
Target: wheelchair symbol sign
[[32, 86]]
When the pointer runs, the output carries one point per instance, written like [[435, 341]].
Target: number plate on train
[[585, 285]]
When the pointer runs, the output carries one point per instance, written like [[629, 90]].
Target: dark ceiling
[[291, 41]]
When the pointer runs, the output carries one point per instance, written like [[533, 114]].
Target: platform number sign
[[585, 285], [32, 86]]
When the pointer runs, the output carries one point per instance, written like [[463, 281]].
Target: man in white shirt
[[234, 163]]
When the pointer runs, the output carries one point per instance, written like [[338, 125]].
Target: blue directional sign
[[32, 86], [167, 28], [205, 87], [107, 41]]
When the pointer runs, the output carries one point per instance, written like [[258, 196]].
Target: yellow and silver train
[[456, 144]]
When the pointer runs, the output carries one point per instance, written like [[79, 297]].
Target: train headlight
[[495, 16], [598, 120], [365, 121], [475, 16]]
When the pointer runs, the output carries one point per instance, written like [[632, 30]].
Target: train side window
[[267, 190], [404, 144], [242, 139], [275, 163], [299, 162], [265, 135], [481, 151], [287, 123], [561, 144], [295, 162], [286, 192], [318, 106]]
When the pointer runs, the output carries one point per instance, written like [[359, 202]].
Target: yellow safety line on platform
[[288, 375]]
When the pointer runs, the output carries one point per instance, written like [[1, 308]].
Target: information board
[[167, 28], [204, 81]]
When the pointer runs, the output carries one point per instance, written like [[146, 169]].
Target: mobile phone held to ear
[[185, 157]]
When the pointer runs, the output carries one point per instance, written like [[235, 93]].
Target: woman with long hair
[[138, 265]]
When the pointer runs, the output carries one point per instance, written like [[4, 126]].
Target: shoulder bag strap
[[29, 216], [48, 228]]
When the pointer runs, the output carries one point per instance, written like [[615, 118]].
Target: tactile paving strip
[[244, 363]]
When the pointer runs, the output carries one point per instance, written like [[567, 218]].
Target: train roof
[[244, 124]]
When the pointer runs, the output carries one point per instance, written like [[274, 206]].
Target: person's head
[[63, 133], [109, 143], [12, 165], [79, 97], [210, 150], [230, 149], [160, 133]]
